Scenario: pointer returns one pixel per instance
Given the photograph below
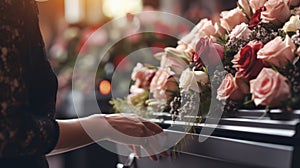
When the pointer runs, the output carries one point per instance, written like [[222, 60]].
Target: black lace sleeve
[[27, 84]]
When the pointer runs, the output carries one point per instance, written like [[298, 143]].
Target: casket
[[251, 139]]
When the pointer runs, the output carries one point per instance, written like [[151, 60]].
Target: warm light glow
[[119, 8], [104, 87], [74, 10], [94, 13]]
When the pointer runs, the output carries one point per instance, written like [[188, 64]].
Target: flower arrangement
[[249, 58]]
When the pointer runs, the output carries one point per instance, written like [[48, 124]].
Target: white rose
[[201, 77], [189, 80], [292, 25], [186, 79]]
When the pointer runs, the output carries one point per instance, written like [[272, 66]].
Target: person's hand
[[143, 134]]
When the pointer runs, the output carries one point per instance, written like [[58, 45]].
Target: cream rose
[[229, 90], [256, 4], [270, 88], [240, 31], [277, 12], [229, 19], [278, 52], [189, 79], [292, 25]]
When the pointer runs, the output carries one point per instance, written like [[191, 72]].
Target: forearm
[[124, 129], [73, 134]]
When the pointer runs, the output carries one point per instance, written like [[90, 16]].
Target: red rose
[[246, 60], [256, 18], [208, 53]]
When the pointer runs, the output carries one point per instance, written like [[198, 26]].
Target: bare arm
[[72, 135], [73, 132]]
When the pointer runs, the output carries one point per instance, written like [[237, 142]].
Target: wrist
[[96, 126]]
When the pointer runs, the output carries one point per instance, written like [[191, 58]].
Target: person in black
[[28, 87]]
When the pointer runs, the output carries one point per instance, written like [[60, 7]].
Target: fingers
[[151, 145], [135, 149], [140, 133], [152, 148], [153, 127], [164, 154]]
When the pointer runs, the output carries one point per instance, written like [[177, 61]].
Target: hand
[[143, 134]]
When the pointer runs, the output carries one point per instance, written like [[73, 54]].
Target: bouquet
[[249, 58]]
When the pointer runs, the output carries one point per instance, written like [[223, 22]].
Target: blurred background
[[66, 26]]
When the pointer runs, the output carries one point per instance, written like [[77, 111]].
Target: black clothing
[[28, 87]]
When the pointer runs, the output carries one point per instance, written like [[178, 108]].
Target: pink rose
[[142, 76], [229, 19], [174, 58], [278, 52], [246, 61], [242, 83], [158, 85], [240, 31], [229, 90], [277, 12], [270, 88], [256, 4], [208, 53], [205, 28]]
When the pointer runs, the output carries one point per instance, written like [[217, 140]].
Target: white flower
[[189, 79], [201, 77], [292, 25]]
